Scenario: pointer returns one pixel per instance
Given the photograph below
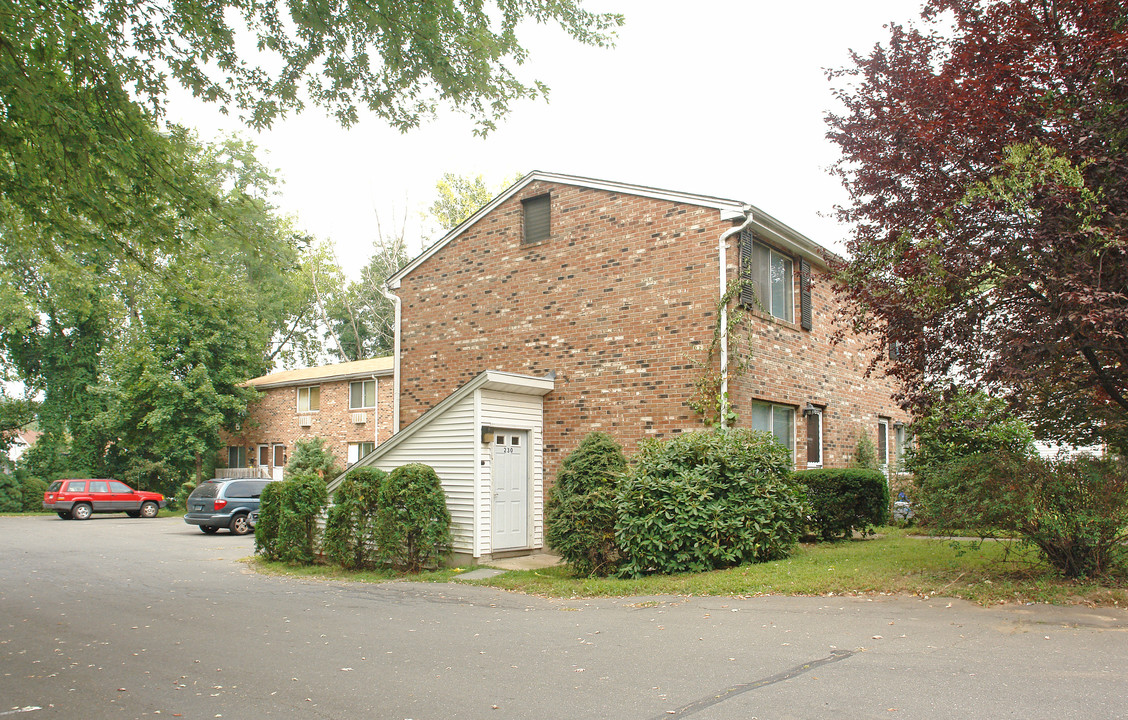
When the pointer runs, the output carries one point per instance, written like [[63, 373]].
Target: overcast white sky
[[720, 97]]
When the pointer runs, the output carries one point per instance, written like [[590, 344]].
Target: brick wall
[[273, 419], [618, 302]]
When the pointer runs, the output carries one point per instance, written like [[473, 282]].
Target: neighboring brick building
[[349, 405], [614, 289]]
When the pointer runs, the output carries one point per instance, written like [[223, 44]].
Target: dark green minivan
[[225, 503]]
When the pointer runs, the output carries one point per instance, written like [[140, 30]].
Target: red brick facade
[[273, 420], [618, 302]]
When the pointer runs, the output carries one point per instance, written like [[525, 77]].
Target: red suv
[[79, 499]]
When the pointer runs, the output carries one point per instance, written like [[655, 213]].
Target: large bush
[[304, 497], [582, 505], [413, 523], [846, 500], [11, 497], [1073, 511], [32, 489], [269, 521], [706, 500], [961, 426], [313, 456], [350, 529]]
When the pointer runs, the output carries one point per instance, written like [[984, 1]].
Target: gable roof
[[763, 223], [357, 369]]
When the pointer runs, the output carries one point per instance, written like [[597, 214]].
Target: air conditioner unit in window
[[360, 418], [305, 421]]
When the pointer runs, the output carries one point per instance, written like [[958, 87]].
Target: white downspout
[[395, 360], [722, 246]]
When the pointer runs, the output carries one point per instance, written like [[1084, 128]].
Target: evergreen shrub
[[350, 528], [11, 496], [412, 520], [582, 505], [269, 522], [845, 500], [706, 500], [313, 456], [31, 490], [304, 497]]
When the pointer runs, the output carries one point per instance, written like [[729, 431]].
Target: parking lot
[[118, 618]]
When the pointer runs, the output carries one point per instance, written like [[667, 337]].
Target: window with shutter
[[538, 219], [766, 277]]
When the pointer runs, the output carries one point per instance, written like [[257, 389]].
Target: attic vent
[[538, 225], [305, 421], [360, 418]]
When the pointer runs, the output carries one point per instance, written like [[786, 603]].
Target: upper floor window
[[769, 279], [537, 218], [772, 275], [779, 420], [309, 398], [362, 394]]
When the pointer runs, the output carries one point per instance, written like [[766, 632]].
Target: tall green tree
[[986, 155], [83, 165], [457, 197]]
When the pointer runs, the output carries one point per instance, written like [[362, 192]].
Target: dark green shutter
[[804, 294], [747, 289]]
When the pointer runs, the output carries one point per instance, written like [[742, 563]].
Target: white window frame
[[363, 400], [817, 412], [356, 450], [765, 294], [883, 428], [308, 392], [771, 418]]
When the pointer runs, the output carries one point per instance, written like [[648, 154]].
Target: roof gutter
[[722, 250]]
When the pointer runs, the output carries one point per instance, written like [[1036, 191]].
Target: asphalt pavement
[[129, 618]]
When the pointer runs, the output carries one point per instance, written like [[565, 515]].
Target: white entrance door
[[511, 489]]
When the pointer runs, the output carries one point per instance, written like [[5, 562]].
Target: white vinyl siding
[[518, 412], [449, 445]]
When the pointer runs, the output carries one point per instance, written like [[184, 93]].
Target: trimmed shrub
[[708, 499], [312, 456], [350, 528], [304, 498], [11, 497], [269, 521], [412, 522], [582, 505], [1074, 512], [32, 489], [846, 500]]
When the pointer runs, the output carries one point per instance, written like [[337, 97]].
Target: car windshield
[[206, 490]]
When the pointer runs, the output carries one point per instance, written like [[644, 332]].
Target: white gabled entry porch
[[486, 443]]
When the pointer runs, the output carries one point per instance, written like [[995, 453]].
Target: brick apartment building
[[349, 405], [598, 299]]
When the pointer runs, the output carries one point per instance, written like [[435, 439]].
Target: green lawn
[[892, 563]]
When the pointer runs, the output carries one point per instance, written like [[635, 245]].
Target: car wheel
[[133, 513], [239, 525], [64, 515], [149, 509], [208, 529], [82, 511]]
